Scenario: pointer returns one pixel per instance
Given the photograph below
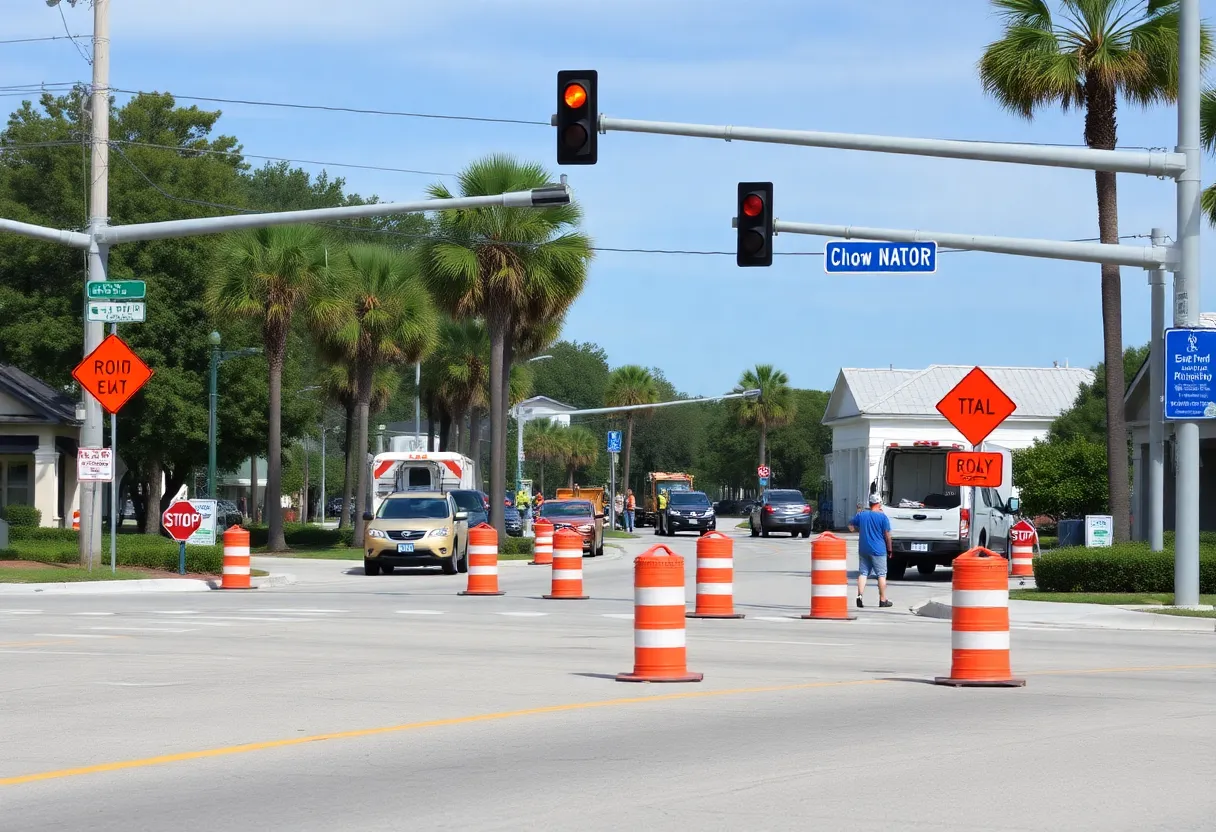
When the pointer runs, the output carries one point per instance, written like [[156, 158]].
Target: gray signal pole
[[1156, 407]]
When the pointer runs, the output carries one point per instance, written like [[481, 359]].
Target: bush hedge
[[140, 550], [39, 533], [303, 534], [515, 546], [22, 516], [1124, 567]]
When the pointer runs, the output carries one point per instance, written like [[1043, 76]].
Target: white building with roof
[[869, 409]]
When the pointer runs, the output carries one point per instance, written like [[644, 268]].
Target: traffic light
[[577, 117], [755, 224]]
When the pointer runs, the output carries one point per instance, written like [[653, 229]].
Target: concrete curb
[[107, 587], [1083, 616], [263, 582]]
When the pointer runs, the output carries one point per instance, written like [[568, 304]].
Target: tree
[[630, 385], [543, 444], [462, 365], [1086, 418], [377, 312], [579, 448], [266, 275], [1061, 478], [1086, 58], [504, 265], [576, 375], [773, 408]]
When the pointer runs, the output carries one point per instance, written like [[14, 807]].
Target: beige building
[[39, 432]]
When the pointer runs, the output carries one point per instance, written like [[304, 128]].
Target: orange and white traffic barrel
[[236, 559], [567, 566], [1023, 541], [715, 577], [75, 521], [659, 648], [483, 561], [829, 578], [542, 545], [979, 622]]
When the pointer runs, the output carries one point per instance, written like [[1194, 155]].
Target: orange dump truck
[[656, 481], [584, 492]]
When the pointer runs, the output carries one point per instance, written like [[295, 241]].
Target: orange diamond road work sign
[[112, 373], [979, 469], [976, 406]]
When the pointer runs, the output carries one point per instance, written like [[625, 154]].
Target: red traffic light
[[753, 205], [574, 96]]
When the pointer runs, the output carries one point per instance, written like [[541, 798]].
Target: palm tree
[[1207, 126], [579, 448], [338, 384], [774, 407], [1088, 56], [630, 385], [378, 313], [543, 442], [504, 265], [462, 361], [267, 274]]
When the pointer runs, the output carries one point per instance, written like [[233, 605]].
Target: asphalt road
[[345, 702]]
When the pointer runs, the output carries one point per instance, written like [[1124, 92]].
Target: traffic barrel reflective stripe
[[75, 521], [236, 559], [829, 578], [659, 648], [979, 622], [567, 566], [715, 577], [1022, 552], [483, 561], [542, 546]]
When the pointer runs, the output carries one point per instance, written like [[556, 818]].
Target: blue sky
[[879, 66]]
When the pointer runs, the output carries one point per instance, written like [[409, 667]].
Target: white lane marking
[[628, 616], [781, 618], [90, 613], [419, 612], [143, 684], [294, 611], [524, 613], [765, 641], [175, 612], [248, 618], [146, 629], [71, 635], [22, 612]]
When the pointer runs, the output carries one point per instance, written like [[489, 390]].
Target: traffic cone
[[979, 623], [715, 577], [483, 561], [236, 559], [567, 566], [542, 547], [659, 652], [75, 521], [829, 578]]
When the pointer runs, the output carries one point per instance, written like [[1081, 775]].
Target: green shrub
[[1124, 567], [515, 546], [147, 551], [23, 516], [39, 533], [303, 534]]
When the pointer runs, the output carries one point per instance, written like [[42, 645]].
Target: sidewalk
[[1090, 616]]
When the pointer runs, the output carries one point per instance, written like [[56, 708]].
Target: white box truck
[[932, 522], [396, 471]]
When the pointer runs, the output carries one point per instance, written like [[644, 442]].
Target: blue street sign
[[1190, 356], [763, 481], [861, 257], [614, 441]]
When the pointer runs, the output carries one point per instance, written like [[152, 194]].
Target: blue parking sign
[[763, 482], [614, 441]]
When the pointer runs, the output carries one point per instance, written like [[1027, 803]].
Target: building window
[[17, 484]]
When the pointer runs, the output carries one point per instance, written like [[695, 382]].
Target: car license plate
[[403, 548], [920, 547]]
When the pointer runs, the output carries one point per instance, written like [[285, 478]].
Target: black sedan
[[781, 510]]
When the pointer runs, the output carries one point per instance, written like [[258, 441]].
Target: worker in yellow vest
[[660, 523]]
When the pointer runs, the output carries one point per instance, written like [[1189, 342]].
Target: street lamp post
[[218, 357]]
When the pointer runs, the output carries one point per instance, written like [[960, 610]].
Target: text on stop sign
[[182, 519], [980, 469]]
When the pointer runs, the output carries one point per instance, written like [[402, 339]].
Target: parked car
[[227, 515], [781, 509], [513, 521], [475, 503], [333, 509], [690, 511]]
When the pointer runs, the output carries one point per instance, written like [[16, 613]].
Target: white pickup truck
[[931, 522]]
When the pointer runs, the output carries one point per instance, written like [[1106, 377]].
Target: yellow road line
[[411, 726], [230, 750]]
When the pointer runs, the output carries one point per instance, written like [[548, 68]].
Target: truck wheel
[[926, 569], [896, 568]]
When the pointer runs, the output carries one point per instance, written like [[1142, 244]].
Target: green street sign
[[116, 290]]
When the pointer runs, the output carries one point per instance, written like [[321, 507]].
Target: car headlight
[[585, 528], [673, 512], [442, 531], [376, 533]]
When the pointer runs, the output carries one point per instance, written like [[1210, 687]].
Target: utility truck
[[932, 523], [397, 471]]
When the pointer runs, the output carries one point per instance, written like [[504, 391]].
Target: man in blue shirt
[[873, 549]]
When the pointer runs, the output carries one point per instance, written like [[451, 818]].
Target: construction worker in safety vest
[[660, 523], [631, 506], [538, 500], [521, 502]]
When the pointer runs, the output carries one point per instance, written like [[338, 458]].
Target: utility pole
[[1156, 406]]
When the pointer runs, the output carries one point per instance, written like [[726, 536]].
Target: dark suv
[[781, 510], [690, 511], [475, 503]]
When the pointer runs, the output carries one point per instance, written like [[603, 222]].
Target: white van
[[931, 522], [395, 471]]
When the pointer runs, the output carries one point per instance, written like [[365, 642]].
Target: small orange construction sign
[[979, 468], [112, 373]]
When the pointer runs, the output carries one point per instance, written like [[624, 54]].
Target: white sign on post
[[204, 535], [1099, 530], [95, 465]]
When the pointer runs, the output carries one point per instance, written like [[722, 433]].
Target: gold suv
[[416, 528]]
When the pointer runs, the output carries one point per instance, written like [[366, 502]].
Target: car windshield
[[785, 497], [413, 508], [578, 508], [469, 500], [689, 499]]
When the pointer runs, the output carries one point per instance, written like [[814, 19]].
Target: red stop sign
[[181, 520]]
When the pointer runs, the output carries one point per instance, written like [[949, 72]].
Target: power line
[[70, 36], [209, 151], [41, 40]]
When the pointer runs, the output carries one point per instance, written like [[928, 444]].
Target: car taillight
[[964, 524], [768, 509], [806, 509]]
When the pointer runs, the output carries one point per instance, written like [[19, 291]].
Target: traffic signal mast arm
[[746, 394], [1146, 257]]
